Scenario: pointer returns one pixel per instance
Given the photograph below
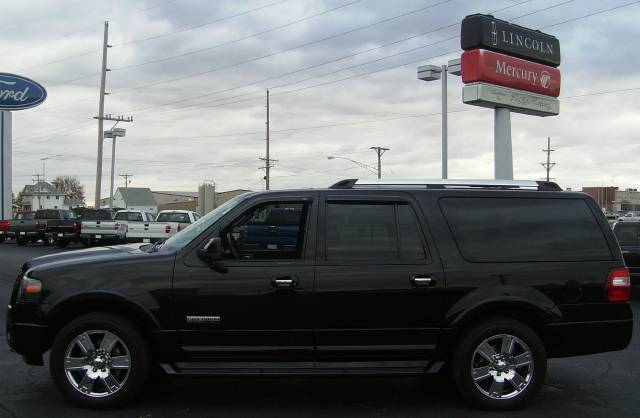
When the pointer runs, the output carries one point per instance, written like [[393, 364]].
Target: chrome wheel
[[97, 363], [502, 366]]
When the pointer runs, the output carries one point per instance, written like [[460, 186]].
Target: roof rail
[[446, 184]]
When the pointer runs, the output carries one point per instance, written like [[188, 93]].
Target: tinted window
[[173, 217], [519, 229], [129, 216], [25, 215], [268, 231], [361, 231], [627, 234], [97, 215], [47, 214], [409, 235]]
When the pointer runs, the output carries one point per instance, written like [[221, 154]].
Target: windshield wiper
[[157, 245]]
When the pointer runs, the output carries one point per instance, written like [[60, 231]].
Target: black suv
[[489, 278]]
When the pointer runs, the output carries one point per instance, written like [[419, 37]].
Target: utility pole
[[268, 162], [38, 189], [548, 165], [103, 78], [126, 179], [380, 151]]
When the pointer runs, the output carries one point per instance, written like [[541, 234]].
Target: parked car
[[98, 226], [177, 219], [33, 228], [4, 231], [167, 223], [628, 234], [62, 230], [385, 277], [139, 226], [632, 216]]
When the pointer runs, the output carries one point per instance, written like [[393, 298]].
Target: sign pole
[[445, 162], [503, 154], [5, 163]]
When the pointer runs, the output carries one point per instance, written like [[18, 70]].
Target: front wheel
[[99, 360], [499, 364]]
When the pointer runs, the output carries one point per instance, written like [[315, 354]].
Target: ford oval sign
[[17, 93]]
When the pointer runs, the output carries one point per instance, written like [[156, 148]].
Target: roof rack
[[447, 184]]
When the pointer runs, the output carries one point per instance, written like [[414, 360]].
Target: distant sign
[[486, 32], [17, 92], [492, 96], [494, 68]]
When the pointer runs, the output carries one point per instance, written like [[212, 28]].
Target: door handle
[[422, 281], [286, 281]]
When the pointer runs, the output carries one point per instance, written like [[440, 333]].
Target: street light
[[43, 161], [431, 73], [363, 165], [113, 133]]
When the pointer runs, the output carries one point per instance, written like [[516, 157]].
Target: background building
[[43, 195], [611, 199], [135, 198], [169, 200]]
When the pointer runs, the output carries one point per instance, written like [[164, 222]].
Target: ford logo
[[17, 92]]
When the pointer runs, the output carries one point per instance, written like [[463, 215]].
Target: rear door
[[378, 282]]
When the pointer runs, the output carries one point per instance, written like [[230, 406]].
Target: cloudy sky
[[342, 77]]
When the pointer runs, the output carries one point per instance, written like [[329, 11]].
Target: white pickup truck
[[98, 226], [140, 226]]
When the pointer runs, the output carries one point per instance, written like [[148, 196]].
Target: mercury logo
[[545, 79]]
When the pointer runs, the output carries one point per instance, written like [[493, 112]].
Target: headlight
[[30, 290]]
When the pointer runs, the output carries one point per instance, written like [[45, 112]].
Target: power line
[[325, 62], [201, 25], [591, 14], [273, 29]]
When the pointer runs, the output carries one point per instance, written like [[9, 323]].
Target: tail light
[[37, 225], [126, 228], [619, 285], [117, 227], [75, 227], [167, 229], [46, 227]]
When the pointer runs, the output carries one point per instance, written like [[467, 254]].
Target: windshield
[[187, 235]]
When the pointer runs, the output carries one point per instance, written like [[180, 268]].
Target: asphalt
[[602, 385]]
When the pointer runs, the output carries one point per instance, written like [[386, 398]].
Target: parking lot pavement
[[591, 386]]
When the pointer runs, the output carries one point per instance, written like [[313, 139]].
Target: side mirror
[[212, 253]]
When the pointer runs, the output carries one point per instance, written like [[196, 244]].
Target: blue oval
[[17, 92]]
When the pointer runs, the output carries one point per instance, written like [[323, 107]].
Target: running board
[[397, 368]]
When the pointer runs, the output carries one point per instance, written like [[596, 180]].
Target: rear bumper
[[67, 236], [578, 338], [102, 237]]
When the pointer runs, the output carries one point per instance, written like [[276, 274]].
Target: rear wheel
[[21, 241], [62, 243], [2, 238], [99, 361], [499, 364]]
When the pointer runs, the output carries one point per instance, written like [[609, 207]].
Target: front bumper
[[27, 339]]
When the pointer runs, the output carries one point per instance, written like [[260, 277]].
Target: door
[[379, 284], [256, 306]]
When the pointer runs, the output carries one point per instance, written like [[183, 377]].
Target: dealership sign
[[492, 96], [491, 67], [486, 32], [17, 92]]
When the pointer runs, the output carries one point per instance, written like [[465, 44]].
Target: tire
[[21, 241], [114, 376], [62, 243], [47, 241], [522, 372], [2, 238], [87, 242]]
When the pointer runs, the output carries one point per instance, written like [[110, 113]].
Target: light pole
[[43, 162], [363, 165], [431, 73], [113, 133]]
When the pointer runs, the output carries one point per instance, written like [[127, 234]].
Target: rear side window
[[627, 234], [97, 215], [174, 217], [47, 214], [372, 231], [522, 229]]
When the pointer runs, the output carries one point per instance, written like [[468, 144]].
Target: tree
[[70, 186]]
